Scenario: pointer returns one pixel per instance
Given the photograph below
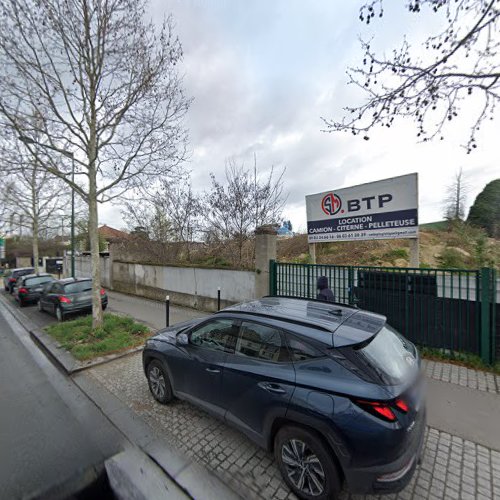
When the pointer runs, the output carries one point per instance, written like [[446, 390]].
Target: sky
[[262, 73]]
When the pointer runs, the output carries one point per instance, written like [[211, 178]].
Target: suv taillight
[[401, 405], [22, 290], [64, 300], [383, 409]]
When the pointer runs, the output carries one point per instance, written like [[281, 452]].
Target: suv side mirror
[[182, 339]]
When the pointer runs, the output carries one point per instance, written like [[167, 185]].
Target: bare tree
[[183, 209], [35, 197], [145, 217], [245, 201], [456, 197], [104, 86], [170, 212], [460, 62]]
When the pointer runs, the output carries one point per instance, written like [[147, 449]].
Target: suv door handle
[[275, 388], [212, 370]]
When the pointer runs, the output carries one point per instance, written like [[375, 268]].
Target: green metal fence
[[442, 308]]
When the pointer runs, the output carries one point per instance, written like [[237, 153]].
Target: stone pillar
[[110, 262], [265, 250]]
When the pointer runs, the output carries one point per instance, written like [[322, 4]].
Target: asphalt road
[[50, 432]]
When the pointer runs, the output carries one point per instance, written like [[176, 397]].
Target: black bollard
[[167, 310], [218, 298]]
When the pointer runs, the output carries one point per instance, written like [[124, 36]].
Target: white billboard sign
[[379, 210]]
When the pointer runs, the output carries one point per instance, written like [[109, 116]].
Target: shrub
[[396, 253], [450, 259]]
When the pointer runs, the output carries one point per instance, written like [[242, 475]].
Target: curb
[[65, 359]]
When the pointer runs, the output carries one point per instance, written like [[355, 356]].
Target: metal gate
[[454, 309]]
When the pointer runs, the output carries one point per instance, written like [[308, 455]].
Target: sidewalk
[[150, 312]]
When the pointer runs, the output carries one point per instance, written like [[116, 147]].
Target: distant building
[[285, 231], [110, 234]]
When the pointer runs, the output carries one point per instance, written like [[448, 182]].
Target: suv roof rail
[[278, 318], [349, 306]]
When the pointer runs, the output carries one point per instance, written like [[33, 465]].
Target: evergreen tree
[[485, 212]]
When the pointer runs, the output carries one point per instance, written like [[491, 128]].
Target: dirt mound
[[457, 246]]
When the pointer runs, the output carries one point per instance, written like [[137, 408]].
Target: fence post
[[350, 285], [167, 310], [485, 315], [272, 277], [308, 281], [494, 316]]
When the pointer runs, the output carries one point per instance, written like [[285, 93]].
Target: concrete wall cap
[[266, 229]]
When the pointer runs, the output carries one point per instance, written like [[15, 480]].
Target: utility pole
[[72, 217]]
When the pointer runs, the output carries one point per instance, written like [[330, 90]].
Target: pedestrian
[[324, 293]]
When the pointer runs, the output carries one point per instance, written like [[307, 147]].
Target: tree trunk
[[35, 245], [97, 317]]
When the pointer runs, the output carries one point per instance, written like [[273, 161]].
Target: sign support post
[[414, 253], [312, 252]]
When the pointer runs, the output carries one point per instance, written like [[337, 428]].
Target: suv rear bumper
[[398, 473]]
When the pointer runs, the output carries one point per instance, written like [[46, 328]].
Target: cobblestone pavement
[[452, 467], [460, 375]]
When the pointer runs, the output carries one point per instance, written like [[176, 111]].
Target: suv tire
[[306, 464], [159, 383]]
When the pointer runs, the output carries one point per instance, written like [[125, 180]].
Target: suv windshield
[[391, 356], [79, 286]]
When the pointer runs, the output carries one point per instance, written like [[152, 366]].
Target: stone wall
[[83, 268], [195, 287], [187, 286]]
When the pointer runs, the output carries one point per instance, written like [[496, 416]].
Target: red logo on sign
[[331, 204]]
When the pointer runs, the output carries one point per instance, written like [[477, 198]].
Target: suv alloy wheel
[[159, 383], [306, 464]]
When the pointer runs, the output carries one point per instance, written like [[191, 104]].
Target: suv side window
[[261, 342], [301, 350], [219, 334]]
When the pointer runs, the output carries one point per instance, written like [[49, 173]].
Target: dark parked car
[[28, 288], [69, 296], [334, 391], [11, 275]]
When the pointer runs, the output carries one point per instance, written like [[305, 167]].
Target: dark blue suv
[[334, 391]]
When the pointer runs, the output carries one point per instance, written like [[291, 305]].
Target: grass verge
[[458, 358], [117, 334]]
